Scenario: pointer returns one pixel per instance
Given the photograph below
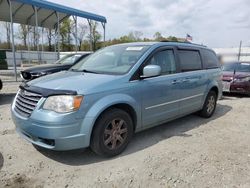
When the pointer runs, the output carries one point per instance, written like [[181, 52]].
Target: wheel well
[[215, 89], [127, 108]]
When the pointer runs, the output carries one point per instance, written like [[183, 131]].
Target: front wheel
[[209, 105], [112, 133]]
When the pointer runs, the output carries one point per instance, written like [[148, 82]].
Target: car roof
[[164, 43]]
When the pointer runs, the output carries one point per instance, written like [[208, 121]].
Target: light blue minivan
[[117, 91]]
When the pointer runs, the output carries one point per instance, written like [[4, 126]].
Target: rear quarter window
[[190, 60], [210, 60]]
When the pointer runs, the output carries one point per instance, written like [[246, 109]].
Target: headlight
[[63, 103], [39, 74]]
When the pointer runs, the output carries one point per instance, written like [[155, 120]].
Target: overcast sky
[[216, 23]]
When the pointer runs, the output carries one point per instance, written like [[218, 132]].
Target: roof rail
[[166, 40], [185, 42]]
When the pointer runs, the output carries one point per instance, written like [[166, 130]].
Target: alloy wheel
[[211, 104], [115, 134]]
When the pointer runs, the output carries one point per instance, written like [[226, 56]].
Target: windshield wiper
[[89, 71], [75, 70], [84, 70]]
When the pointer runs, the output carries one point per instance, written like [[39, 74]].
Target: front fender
[[104, 103]]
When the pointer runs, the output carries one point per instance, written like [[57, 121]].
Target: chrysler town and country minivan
[[117, 91]]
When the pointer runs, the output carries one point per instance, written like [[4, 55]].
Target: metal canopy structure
[[24, 13], [45, 14]]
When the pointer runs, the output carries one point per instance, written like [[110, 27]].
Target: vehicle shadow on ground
[[1, 161], [228, 96], [6, 98], [140, 141]]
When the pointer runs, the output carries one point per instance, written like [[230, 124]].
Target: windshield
[[68, 59], [243, 67], [238, 67], [111, 60], [229, 67]]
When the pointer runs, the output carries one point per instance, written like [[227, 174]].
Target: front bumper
[[54, 136], [240, 87]]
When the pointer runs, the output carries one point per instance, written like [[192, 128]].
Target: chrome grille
[[26, 102]]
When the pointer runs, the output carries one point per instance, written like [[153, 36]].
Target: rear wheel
[[112, 133], [209, 105]]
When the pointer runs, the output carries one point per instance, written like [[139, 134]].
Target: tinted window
[[190, 60], [210, 59], [243, 67], [165, 59]]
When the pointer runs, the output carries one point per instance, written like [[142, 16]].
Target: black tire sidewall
[[97, 143]]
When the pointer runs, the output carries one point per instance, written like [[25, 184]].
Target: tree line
[[29, 37]]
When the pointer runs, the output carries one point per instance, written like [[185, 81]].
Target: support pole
[[76, 37], [90, 35], [29, 43], [239, 51], [104, 33], [42, 54], [42, 39], [12, 37], [36, 34], [55, 42], [58, 33]]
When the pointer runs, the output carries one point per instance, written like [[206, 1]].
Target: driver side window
[[166, 60]]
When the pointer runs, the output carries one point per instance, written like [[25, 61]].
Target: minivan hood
[[82, 83], [229, 76]]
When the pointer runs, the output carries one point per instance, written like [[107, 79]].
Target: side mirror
[[151, 71]]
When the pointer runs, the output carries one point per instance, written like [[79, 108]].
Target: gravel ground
[[188, 152]]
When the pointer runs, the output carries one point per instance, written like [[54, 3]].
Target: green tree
[[6, 25], [50, 34], [65, 33], [81, 31], [172, 39], [95, 36], [23, 34], [157, 36]]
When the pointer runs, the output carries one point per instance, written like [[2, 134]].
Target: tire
[[1, 84], [209, 105], [112, 133]]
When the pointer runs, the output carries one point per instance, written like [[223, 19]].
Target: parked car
[[103, 99], [62, 64], [1, 84], [236, 77]]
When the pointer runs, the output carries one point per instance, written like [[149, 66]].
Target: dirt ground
[[188, 152]]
